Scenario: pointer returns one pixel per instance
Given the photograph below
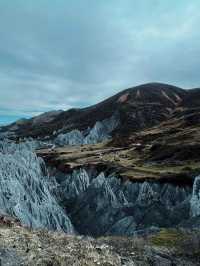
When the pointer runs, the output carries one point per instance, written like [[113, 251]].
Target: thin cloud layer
[[62, 54]]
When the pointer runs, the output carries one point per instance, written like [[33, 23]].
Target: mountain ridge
[[139, 107]]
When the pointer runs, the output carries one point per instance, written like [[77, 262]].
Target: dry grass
[[132, 161], [168, 238], [185, 243]]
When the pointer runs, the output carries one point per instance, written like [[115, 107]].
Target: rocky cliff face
[[104, 205], [101, 131], [87, 201], [25, 189], [195, 200]]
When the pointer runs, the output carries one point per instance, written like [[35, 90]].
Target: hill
[[138, 108]]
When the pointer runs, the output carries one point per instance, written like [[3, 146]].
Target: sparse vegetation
[[184, 243], [28, 247], [127, 162], [170, 238]]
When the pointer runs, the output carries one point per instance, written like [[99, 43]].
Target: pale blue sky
[[62, 54]]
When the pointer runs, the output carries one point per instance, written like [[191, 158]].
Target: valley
[[126, 169]]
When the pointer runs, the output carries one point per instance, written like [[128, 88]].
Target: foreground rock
[[20, 246]]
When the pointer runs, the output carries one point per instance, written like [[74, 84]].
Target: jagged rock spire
[[25, 191]]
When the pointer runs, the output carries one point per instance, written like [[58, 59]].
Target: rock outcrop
[[25, 189], [104, 205], [101, 131], [195, 200], [95, 203]]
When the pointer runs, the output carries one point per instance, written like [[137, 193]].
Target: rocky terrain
[[124, 172], [88, 200], [25, 247]]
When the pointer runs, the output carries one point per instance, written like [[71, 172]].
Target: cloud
[[62, 54]]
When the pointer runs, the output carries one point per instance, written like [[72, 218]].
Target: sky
[[61, 54]]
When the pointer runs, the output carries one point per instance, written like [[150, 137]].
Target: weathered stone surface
[[195, 200], [104, 205], [8, 257], [23, 247], [25, 189], [101, 131]]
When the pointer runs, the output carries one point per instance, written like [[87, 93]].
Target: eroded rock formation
[[100, 132], [104, 205], [25, 189], [95, 203]]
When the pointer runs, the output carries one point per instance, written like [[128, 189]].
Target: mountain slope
[[192, 98], [20, 246], [139, 107]]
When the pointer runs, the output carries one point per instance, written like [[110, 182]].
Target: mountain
[[126, 170], [138, 108], [192, 98], [139, 130]]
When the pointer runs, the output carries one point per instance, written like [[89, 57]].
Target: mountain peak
[[138, 107], [153, 93]]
